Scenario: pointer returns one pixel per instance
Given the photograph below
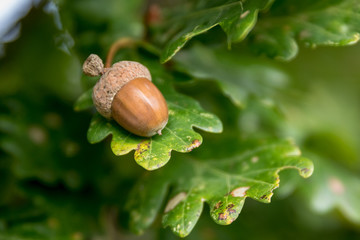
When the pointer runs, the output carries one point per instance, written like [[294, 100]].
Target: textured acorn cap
[[112, 81], [93, 66]]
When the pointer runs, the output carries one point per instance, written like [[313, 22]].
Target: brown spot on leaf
[[142, 147], [138, 146], [305, 170], [263, 197], [218, 204], [230, 206], [336, 186], [196, 143], [255, 159], [230, 209], [223, 216], [226, 214]]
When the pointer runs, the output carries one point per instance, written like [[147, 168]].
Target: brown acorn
[[126, 94]]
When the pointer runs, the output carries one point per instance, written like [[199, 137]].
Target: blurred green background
[[55, 185]]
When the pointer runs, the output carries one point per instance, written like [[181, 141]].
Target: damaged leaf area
[[314, 23], [178, 135], [223, 183], [236, 18]]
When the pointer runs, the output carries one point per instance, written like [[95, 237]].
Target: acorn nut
[[126, 94]]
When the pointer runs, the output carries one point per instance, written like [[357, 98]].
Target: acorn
[[126, 94]]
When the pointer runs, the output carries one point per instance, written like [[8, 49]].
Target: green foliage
[[258, 77], [154, 152], [237, 18], [55, 185], [331, 142], [276, 31], [339, 186], [332, 23], [84, 101], [223, 183]]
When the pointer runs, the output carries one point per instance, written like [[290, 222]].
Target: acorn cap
[[93, 66], [113, 80]]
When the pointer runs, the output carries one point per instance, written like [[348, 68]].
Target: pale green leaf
[[223, 183], [333, 187], [178, 135]]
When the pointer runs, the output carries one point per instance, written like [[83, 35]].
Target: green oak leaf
[[154, 152], [223, 183], [314, 23], [238, 76], [236, 18], [178, 135], [333, 187]]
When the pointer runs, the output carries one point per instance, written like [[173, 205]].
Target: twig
[[121, 43]]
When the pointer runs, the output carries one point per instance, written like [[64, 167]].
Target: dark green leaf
[[84, 101], [239, 76], [122, 18], [330, 23], [237, 18]]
